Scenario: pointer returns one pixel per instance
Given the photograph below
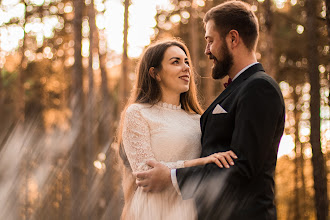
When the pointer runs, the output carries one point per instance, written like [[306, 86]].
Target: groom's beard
[[221, 68]]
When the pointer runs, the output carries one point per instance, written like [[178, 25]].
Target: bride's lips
[[185, 77]]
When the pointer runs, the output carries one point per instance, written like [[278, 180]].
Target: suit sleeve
[[258, 112]]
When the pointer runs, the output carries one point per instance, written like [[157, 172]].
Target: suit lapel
[[231, 88]]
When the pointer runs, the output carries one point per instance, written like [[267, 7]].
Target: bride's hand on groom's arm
[[154, 180], [221, 159], [159, 177]]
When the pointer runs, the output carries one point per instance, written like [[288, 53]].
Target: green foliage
[[8, 78]]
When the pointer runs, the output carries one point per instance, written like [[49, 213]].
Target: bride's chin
[[186, 90]]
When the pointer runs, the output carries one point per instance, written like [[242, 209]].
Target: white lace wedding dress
[[168, 134]]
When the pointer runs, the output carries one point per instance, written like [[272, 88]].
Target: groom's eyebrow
[[208, 37]]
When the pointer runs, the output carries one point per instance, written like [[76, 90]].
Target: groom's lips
[[211, 57]]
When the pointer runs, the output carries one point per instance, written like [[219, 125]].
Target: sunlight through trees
[[67, 68]]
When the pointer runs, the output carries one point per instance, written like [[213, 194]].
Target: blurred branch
[[293, 20], [288, 18]]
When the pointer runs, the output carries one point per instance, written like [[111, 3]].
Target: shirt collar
[[245, 68]]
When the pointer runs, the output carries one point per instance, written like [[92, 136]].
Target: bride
[[161, 122]]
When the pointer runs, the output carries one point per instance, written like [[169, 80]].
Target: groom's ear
[[233, 38], [153, 74]]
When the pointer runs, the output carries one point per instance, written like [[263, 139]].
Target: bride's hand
[[222, 159]]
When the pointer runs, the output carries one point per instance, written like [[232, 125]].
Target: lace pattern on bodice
[[167, 134], [137, 141]]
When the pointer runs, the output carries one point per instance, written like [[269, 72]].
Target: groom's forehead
[[211, 31]]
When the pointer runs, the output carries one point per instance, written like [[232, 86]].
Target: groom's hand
[[156, 179]]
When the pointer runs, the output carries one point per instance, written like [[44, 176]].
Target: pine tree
[[319, 171], [78, 161]]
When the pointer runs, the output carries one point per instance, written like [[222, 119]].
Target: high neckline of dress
[[169, 106]]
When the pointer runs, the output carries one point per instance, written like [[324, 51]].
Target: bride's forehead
[[175, 51]]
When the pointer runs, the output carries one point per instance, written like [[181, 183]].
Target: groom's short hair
[[235, 15]]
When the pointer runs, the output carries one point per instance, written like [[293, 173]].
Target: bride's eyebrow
[[178, 58]]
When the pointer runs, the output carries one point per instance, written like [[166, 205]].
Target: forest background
[[66, 71]]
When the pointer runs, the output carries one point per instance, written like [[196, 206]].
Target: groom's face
[[217, 50]]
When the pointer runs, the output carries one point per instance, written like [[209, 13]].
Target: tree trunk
[[289, 211], [78, 180], [105, 133], [27, 206], [303, 183], [124, 71], [319, 170], [90, 153], [107, 108], [1, 90], [2, 100], [194, 43], [297, 199], [22, 180], [269, 59], [20, 107], [327, 4]]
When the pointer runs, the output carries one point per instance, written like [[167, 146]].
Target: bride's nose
[[186, 67]]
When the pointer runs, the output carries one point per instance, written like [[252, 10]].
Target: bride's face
[[175, 74]]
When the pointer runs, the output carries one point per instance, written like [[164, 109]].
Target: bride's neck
[[173, 99]]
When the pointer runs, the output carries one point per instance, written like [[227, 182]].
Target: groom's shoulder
[[261, 75], [261, 79], [260, 82]]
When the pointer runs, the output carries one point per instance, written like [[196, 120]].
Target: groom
[[247, 118]]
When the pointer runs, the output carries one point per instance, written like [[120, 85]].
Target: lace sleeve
[[137, 143]]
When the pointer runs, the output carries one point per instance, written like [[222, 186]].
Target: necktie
[[227, 83]]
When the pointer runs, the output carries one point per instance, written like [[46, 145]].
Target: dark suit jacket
[[252, 128]]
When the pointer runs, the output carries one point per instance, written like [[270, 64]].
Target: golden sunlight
[[293, 2], [98, 164], [141, 20], [280, 3], [286, 145], [141, 24], [300, 29], [10, 37]]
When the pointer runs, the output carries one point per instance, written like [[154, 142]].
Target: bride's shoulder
[[195, 116], [136, 107]]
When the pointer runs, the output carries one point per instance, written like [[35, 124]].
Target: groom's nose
[[207, 50]]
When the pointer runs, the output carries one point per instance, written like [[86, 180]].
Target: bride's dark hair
[[147, 90]]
